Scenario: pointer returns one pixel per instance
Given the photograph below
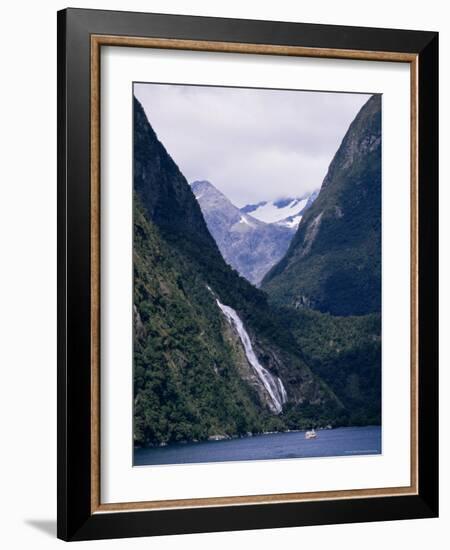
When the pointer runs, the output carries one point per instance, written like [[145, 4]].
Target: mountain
[[286, 212], [346, 353], [328, 283], [250, 246], [333, 263], [211, 356]]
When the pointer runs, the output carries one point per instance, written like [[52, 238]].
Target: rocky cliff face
[[163, 190], [248, 245], [333, 263]]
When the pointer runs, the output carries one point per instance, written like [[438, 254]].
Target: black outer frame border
[[75, 521]]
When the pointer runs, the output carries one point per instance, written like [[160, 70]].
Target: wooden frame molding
[[96, 42]]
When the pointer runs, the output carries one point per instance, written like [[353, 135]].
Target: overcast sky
[[252, 144]]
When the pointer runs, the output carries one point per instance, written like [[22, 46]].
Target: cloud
[[252, 144]]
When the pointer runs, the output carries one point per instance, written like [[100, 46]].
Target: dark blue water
[[337, 442]]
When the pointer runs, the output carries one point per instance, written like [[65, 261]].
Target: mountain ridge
[[286, 211], [249, 245], [333, 263], [193, 377]]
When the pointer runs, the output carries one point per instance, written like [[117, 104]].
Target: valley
[[216, 356], [249, 244]]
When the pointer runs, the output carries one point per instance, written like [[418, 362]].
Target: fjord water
[[329, 443]]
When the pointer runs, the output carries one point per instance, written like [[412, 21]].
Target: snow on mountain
[[291, 222], [286, 212], [249, 245]]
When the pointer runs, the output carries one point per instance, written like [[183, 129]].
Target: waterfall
[[273, 385], [282, 390]]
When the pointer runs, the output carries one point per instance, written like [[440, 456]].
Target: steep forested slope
[[334, 261], [346, 353], [192, 377]]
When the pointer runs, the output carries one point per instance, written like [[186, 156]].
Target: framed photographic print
[[247, 274]]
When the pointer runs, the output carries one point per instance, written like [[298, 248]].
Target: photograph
[[247, 272], [257, 246]]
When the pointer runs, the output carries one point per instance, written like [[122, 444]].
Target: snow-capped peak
[[244, 220], [287, 211]]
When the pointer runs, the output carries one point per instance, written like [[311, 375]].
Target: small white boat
[[311, 434]]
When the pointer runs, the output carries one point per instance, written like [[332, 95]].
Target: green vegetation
[[329, 283], [334, 261], [186, 382], [346, 353], [191, 378], [189, 381]]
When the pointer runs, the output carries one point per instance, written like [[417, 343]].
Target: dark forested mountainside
[[329, 281], [346, 353], [333, 263], [194, 376]]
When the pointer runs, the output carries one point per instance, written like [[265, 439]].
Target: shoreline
[[218, 438]]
